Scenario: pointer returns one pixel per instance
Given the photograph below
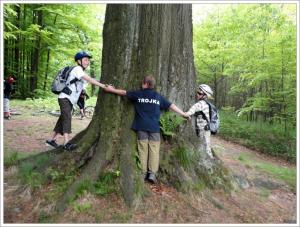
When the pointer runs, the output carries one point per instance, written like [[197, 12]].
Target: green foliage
[[63, 30], [169, 122], [269, 138], [247, 53]]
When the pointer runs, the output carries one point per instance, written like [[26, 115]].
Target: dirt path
[[260, 196], [264, 192]]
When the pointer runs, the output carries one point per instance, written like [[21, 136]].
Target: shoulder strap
[[209, 105], [202, 114], [68, 74]]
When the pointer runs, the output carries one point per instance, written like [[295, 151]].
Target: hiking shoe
[[143, 176], [210, 154], [69, 146], [52, 143], [152, 178]]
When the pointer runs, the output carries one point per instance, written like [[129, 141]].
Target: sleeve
[[132, 95], [193, 109], [164, 103], [78, 72]]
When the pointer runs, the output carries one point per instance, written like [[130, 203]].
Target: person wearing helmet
[[66, 101], [7, 93], [148, 105], [203, 92]]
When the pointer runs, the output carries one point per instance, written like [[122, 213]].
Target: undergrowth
[[262, 136]]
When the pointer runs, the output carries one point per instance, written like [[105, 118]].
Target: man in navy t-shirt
[[147, 104]]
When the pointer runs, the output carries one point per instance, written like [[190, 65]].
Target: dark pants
[[63, 124], [80, 103]]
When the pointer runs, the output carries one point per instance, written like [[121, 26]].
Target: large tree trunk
[[141, 39]]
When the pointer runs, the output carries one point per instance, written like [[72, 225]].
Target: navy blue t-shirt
[[147, 104]]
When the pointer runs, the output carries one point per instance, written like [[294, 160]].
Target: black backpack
[[213, 124], [61, 83]]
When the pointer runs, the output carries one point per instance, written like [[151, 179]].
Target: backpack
[[61, 83], [214, 123]]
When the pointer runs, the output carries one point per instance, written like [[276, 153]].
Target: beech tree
[[137, 40]]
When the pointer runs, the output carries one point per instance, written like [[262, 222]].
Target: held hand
[[186, 116]]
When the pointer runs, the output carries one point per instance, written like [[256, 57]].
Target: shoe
[[152, 178], [210, 154], [143, 176], [52, 143], [69, 146]]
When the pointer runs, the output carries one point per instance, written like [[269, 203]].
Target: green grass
[[106, 184], [246, 158], [183, 155], [121, 217], [262, 136], [288, 175], [47, 104], [12, 157], [29, 176], [82, 208]]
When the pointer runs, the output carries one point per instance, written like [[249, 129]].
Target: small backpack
[[214, 123], [61, 83]]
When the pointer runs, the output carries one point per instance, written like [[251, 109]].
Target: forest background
[[245, 52]]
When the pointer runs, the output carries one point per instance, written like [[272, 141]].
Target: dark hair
[[149, 79]]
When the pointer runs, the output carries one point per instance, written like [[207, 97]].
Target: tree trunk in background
[[48, 60], [137, 40], [17, 44], [36, 52], [21, 82]]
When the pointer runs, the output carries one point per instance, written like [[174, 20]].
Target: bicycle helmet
[[81, 55], [206, 89]]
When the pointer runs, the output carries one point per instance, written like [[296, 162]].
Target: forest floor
[[262, 195]]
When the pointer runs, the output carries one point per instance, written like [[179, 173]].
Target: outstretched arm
[[175, 109], [111, 89], [93, 81]]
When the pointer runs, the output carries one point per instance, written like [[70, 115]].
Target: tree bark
[[36, 52], [17, 43], [137, 40]]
